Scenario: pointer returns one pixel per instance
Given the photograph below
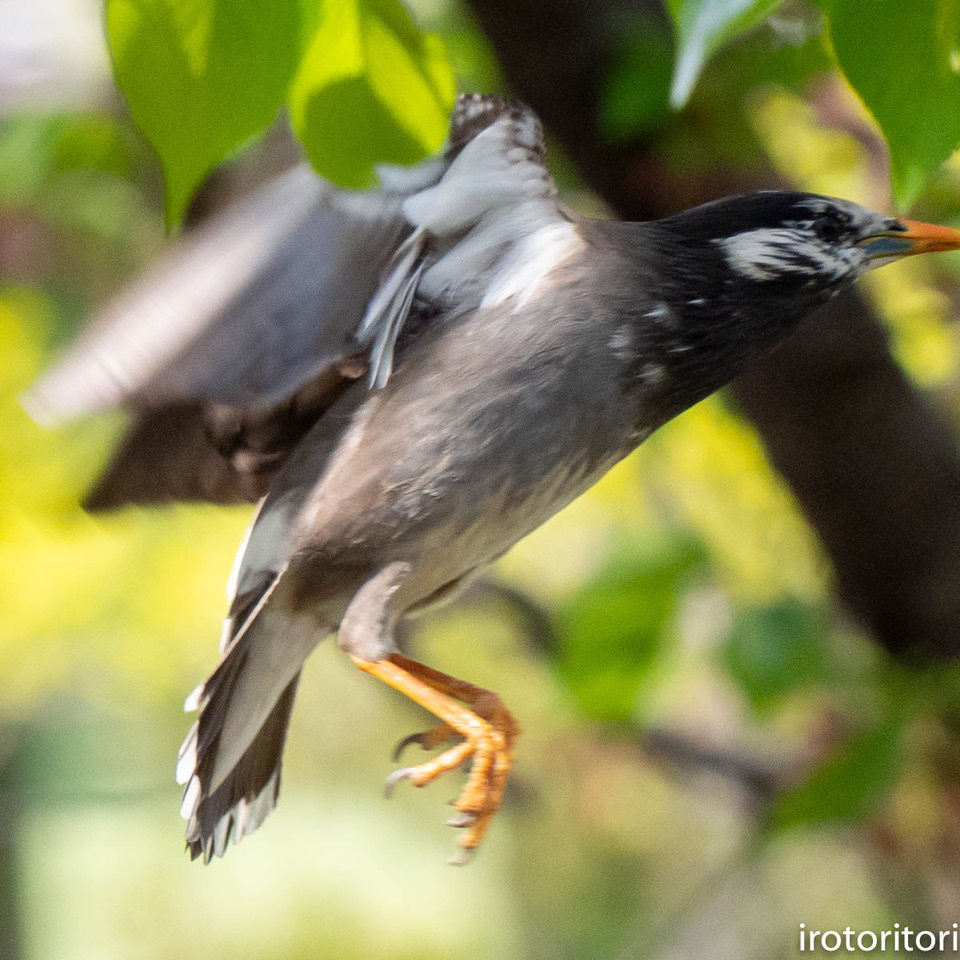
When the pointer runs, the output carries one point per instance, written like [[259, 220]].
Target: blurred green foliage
[[613, 630], [848, 786], [363, 85], [702, 27], [903, 59], [774, 650]]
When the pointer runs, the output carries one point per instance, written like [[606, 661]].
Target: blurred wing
[[213, 453], [239, 339], [166, 456], [244, 310]]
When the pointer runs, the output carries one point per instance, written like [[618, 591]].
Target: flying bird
[[409, 380]]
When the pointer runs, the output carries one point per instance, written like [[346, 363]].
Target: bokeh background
[[716, 748]]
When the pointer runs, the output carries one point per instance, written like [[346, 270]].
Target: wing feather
[[241, 337], [244, 310]]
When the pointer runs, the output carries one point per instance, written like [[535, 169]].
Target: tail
[[231, 758], [241, 803]]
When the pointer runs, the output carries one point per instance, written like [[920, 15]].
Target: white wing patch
[[530, 262], [494, 220], [498, 168], [488, 232], [388, 310]]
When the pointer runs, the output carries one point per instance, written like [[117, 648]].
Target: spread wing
[[231, 345], [245, 310], [238, 339]]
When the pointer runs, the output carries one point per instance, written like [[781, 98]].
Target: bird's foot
[[490, 745], [488, 730], [428, 739]]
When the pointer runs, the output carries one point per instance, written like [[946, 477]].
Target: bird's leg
[[488, 729]]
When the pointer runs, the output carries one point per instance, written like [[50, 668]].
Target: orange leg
[[488, 729]]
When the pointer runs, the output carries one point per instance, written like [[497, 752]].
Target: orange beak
[[908, 237], [929, 238]]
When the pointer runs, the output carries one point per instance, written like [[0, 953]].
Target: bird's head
[[781, 242], [734, 277]]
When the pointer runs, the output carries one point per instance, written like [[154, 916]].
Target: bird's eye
[[831, 225]]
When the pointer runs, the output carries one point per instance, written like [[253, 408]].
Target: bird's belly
[[447, 512], [489, 426], [486, 520]]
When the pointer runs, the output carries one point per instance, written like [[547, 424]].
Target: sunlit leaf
[[371, 88], [201, 77], [903, 59], [702, 26]]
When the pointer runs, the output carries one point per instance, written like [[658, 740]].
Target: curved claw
[[404, 773], [462, 819], [428, 739], [461, 858], [406, 742], [486, 726]]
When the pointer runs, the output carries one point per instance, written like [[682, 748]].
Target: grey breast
[[493, 420]]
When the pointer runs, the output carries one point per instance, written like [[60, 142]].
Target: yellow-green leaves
[[201, 77], [702, 26], [370, 88], [204, 76], [903, 59]]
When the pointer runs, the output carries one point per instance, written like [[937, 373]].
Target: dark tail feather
[[241, 803]]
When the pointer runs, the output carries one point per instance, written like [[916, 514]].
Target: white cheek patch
[[769, 253]]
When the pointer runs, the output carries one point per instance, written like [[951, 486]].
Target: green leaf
[[848, 787], [702, 27], [613, 630], [903, 59], [201, 77], [371, 88], [771, 651]]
